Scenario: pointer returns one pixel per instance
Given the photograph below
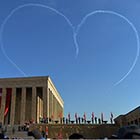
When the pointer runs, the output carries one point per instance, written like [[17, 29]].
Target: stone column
[[56, 113], [44, 102], [38, 109], [23, 106], [48, 102], [3, 105], [55, 108], [13, 101], [34, 104], [52, 104]]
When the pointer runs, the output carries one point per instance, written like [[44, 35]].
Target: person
[[63, 120], [99, 120], [40, 119], [46, 132], [43, 133], [79, 120], [82, 119], [0, 125], [92, 120], [1, 136], [76, 120], [66, 121], [111, 120], [95, 120], [37, 135], [27, 127], [76, 136], [129, 132], [46, 121], [50, 120]]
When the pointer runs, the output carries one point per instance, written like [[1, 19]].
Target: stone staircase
[[17, 133]]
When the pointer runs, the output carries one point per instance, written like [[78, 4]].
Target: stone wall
[[89, 131]]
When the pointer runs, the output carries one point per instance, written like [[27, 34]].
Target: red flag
[[84, 116], [92, 115], [76, 116], [6, 111], [111, 115], [8, 99]]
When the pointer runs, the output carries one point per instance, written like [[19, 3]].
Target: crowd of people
[[3, 130], [78, 120], [3, 135]]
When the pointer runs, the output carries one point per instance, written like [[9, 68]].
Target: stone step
[[19, 134], [10, 128]]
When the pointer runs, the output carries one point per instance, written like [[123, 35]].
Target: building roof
[[120, 116], [16, 81], [31, 77], [137, 108]]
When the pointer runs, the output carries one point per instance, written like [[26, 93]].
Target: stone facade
[[29, 98], [132, 117]]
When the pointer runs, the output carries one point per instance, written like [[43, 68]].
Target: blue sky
[[40, 42]]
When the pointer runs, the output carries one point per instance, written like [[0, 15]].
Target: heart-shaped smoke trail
[[75, 33], [13, 12], [125, 19]]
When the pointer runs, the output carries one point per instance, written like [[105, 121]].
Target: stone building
[[29, 98], [132, 117]]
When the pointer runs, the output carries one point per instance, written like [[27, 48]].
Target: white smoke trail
[[8, 17], [75, 33], [133, 28]]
